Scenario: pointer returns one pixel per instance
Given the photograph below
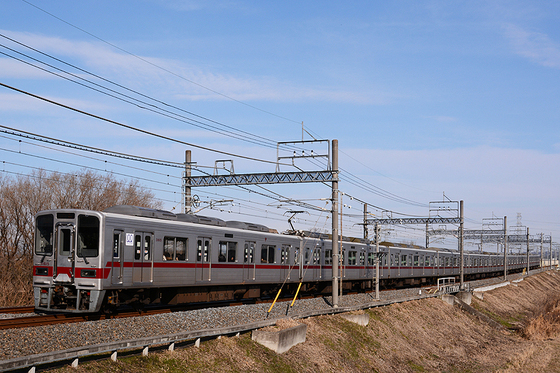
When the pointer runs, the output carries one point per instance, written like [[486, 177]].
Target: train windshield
[[44, 235], [88, 236]]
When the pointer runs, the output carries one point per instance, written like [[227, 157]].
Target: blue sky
[[425, 97]]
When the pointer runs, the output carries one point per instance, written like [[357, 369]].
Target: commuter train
[[85, 261]]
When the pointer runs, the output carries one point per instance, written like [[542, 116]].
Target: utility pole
[[334, 219]]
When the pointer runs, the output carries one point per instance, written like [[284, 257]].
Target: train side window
[[351, 258], [415, 261], [403, 260], [181, 248], [267, 253], [168, 246], [362, 258], [232, 252], [307, 250], [227, 251], [222, 251], [249, 256], [328, 256]]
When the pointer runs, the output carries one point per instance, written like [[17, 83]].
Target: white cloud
[[165, 77], [535, 46]]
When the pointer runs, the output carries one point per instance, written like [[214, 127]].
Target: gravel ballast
[[30, 341]]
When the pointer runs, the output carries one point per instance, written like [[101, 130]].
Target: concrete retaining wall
[[282, 340]]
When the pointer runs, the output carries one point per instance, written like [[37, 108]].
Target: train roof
[[189, 218]]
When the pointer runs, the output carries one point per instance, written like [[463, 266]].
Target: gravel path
[[29, 341]]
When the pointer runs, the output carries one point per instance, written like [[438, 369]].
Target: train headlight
[[39, 271], [87, 273]]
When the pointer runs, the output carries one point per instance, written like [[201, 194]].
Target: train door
[[285, 262], [117, 258], [362, 262], [317, 268], [249, 261], [64, 266], [142, 269], [203, 266]]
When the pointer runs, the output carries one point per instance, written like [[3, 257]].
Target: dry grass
[[418, 336]]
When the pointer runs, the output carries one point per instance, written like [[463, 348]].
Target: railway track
[[62, 318], [33, 321], [19, 309]]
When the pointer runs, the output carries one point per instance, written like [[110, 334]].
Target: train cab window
[[116, 245], [267, 253], [328, 256], [249, 256], [351, 258], [44, 234], [88, 236], [227, 251], [66, 241]]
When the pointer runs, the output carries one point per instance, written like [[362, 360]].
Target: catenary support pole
[[527, 250], [188, 197], [335, 255], [377, 262], [505, 247], [461, 242]]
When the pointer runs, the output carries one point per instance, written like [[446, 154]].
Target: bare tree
[[22, 197]]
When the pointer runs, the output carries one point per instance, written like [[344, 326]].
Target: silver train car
[[88, 260]]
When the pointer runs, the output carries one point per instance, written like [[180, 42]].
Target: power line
[[136, 128], [160, 67]]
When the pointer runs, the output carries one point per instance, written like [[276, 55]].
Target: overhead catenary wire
[[355, 183], [146, 132]]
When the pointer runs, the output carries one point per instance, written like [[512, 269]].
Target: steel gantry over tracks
[[330, 174], [437, 207]]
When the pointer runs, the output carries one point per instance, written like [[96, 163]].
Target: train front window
[[88, 236], [44, 235]]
